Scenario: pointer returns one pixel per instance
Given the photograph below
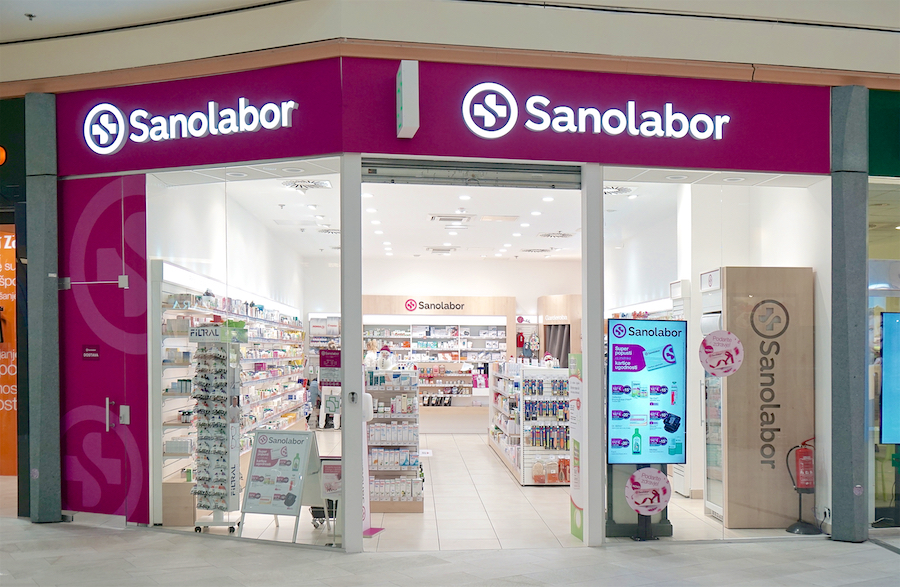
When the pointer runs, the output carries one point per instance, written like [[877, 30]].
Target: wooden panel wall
[[769, 404]]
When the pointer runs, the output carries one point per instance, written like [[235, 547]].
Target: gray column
[[351, 351], [849, 300], [43, 307], [593, 458]]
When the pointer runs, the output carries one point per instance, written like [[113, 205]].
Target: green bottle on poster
[[636, 442], [296, 466]]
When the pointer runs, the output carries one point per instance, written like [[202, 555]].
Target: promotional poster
[[646, 392]]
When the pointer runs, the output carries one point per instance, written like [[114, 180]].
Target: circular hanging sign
[[648, 491], [721, 353]]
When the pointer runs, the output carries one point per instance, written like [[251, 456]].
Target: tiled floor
[[83, 553]]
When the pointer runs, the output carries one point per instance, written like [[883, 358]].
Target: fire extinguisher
[[805, 482], [804, 464]]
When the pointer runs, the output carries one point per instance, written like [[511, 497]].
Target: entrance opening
[[467, 267]]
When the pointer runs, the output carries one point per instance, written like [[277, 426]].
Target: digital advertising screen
[[890, 378], [646, 377]]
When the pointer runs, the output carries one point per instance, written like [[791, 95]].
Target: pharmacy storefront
[[213, 252]]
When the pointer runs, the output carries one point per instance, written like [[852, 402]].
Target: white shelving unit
[[395, 485], [264, 368], [440, 347], [528, 421]]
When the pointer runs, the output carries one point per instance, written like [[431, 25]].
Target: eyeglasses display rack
[[528, 425]]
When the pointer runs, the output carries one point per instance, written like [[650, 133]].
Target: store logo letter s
[[105, 129], [490, 110]]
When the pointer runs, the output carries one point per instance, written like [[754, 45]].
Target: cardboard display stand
[[283, 475]]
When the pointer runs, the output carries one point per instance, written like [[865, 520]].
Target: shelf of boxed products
[[395, 478], [528, 422], [190, 304]]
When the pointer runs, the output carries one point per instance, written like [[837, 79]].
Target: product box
[[396, 457], [404, 459], [417, 487]]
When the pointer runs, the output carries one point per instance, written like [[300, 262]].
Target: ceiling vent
[[557, 234], [617, 191], [441, 250], [535, 250], [330, 231], [499, 218], [308, 184], [458, 218]]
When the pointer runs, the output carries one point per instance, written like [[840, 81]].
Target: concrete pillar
[[593, 458], [43, 308], [849, 300], [351, 350]]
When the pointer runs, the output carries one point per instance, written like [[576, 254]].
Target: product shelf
[[243, 317], [255, 382], [247, 361], [272, 341], [270, 419], [178, 425], [271, 398], [168, 394]]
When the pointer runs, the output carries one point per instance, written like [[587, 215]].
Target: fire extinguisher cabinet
[[756, 415]]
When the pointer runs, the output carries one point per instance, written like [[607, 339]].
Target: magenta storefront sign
[[348, 105]]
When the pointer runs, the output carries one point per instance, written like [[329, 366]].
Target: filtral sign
[[491, 111], [106, 129]]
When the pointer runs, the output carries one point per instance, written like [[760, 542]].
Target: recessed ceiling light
[[386, 243], [535, 213], [897, 227], [498, 254], [733, 179], [507, 245], [526, 225], [548, 198], [236, 174], [465, 197], [447, 244], [451, 233], [371, 210], [367, 195], [517, 234], [502, 250], [546, 256], [379, 232], [460, 210], [312, 206], [388, 249], [376, 222], [389, 254], [676, 177], [618, 246], [632, 197], [292, 170], [319, 217], [484, 256]]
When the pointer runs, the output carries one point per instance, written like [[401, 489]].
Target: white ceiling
[[403, 212], [54, 18]]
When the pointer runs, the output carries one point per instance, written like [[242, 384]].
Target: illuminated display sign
[[647, 375]]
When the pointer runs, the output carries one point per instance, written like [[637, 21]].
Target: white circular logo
[[105, 129], [490, 111]]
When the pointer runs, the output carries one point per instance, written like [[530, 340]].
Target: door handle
[[108, 423]]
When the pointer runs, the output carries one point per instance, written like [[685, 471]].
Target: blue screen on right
[[890, 378]]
